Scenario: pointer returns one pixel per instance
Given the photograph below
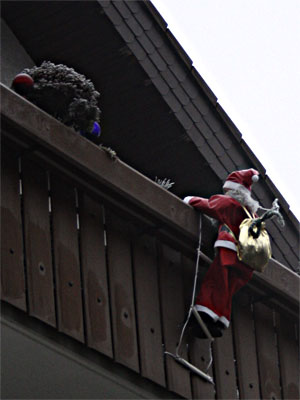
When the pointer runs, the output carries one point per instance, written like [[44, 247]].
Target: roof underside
[[157, 112]]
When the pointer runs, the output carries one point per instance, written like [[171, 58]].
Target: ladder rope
[[194, 288], [177, 356]]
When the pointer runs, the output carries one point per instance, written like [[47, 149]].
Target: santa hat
[[243, 178]]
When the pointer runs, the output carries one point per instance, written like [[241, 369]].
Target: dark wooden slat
[[279, 279], [225, 374], [148, 309], [173, 314], [38, 243], [12, 259], [121, 290], [288, 346], [93, 263], [245, 347], [200, 351], [66, 256], [267, 352]]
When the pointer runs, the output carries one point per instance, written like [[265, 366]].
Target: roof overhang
[[158, 113]]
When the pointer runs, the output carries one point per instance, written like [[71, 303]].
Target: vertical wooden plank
[[66, 256], [38, 243], [121, 290], [93, 262], [225, 374], [12, 259], [245, 347], [200, 351], [148, 309], [200, 354], [289, 360], [267, 352], [174, 314]]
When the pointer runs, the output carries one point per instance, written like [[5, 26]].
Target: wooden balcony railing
[[104, 255]]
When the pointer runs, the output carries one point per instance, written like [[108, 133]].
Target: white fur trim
[[232, 185], [226, 243], [214, 316], [224, 321], [187, 199]]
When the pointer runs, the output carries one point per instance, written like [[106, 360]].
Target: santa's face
[[243, 196]]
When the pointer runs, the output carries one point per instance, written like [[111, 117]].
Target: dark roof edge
[[229, 123], [180, 51], [162, 23], [184, 56], [204, 86]]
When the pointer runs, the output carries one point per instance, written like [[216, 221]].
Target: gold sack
[[256, 253]]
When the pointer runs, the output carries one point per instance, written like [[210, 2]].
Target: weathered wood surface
[[200, 350], [38, 242], [66, 256], [289, 356], [224, 366], [122, 292], [279, 279], [245, 348], [148, 308], [267, 352], [173, 317], [12, 257], [94, 272]]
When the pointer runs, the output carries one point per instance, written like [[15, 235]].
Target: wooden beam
[[50, 135]]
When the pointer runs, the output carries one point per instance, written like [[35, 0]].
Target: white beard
[[243, 196]]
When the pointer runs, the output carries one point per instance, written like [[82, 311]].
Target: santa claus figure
[[227, 274]]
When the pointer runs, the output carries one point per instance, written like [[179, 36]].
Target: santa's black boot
[[215, 328]]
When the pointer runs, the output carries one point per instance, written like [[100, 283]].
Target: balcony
[[105, 256]]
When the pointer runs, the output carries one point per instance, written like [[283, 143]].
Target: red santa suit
[[227, 274]]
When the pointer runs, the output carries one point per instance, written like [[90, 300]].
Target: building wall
[[35, 367], [14, 58]]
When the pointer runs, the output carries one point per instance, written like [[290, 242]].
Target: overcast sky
[[247, 51]]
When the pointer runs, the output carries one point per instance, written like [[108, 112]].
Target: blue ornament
[[96, 129]]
